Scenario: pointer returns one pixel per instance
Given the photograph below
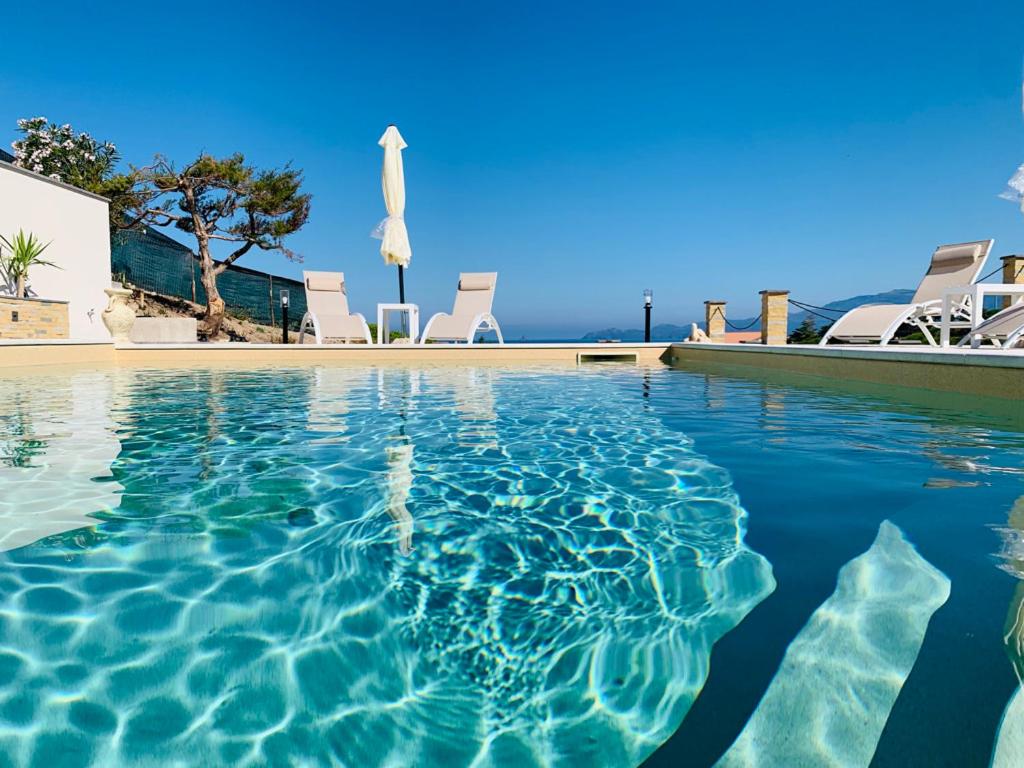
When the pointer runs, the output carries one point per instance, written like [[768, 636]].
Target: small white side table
[[977, 292], [383, 310]]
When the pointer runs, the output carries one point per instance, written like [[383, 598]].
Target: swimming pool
[[497, 566]]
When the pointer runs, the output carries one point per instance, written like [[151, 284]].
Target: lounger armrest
[[310, 319], [366, 327], [484, 321], [426, 329]]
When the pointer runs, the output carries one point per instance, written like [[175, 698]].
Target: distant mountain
[[662, 332], [670, 332]]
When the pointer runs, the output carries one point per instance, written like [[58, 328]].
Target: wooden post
[[271, 281], [774, 317], [714, 320]]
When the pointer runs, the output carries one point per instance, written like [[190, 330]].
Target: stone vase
[[118, 316]]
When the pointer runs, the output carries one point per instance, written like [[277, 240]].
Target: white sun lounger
[[471, 313], [327, 312], [1003, 330], [951, 266]]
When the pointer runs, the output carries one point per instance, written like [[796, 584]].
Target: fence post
[[1013, 274], [714, 320], [774, 317], [271, 281]]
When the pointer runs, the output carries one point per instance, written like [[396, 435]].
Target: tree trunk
[[214, 316], [214, 303], [19, 290]]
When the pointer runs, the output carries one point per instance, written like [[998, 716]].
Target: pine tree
[[805, 333], [222, 199]]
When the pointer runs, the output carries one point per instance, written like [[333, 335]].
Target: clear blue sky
[[583, 150]]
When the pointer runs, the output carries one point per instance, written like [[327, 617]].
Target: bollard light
[[285, 299], [648, 302]]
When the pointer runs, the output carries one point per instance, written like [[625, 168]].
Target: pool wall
[[989, 373], [19, 354]]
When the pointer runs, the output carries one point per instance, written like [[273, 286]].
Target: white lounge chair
[[1003, 330], [951, 266], [327, 310], [471, 313]]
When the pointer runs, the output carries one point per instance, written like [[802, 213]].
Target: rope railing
[[805, 305], [994, 271], [1017, 274], [810, 309], [748, 326]]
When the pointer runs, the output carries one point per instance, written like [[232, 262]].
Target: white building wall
[[77, 224]]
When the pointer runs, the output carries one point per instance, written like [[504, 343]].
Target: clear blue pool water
[[486, 567]]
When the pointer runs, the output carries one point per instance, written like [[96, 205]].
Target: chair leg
[[927, 334], [309, 319]]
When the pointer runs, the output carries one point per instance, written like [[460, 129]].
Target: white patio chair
[[1003, 330], [951, 266], [471, 313], [327, 312]]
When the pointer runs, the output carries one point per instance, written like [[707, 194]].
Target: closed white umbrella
[[394, 236]]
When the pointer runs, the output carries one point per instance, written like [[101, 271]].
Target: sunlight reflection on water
[[437, 566]]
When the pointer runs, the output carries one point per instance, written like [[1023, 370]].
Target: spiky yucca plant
[[23, 252]]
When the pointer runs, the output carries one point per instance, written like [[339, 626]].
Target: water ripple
[[365, 567]]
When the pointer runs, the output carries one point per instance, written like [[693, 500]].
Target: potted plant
[[24, 252]]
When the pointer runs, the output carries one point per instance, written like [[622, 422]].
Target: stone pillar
[[714, 320], [1013, 274], [774, 317]]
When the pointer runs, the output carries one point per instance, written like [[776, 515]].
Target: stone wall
[[33, 319]]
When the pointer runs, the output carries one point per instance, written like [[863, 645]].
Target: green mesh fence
[[148, 259]]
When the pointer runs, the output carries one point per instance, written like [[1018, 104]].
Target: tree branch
[[168, 214], [159, 216], [221, 266]]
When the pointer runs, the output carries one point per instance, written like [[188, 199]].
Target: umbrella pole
[[401, 295]]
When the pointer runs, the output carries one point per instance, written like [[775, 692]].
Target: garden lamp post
[[284, 314], [648, 301]]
